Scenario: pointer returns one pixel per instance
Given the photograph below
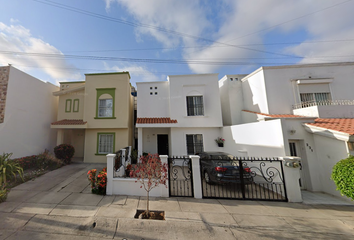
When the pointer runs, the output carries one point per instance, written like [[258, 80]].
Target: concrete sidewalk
[[59, 205]]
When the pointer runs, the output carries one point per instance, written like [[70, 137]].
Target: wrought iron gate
[[180, 177], [243, 178]]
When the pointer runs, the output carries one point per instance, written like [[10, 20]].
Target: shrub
[[44, 161], [9, 168], [64, 152], [3, 193], [99, 182], [343, 176]]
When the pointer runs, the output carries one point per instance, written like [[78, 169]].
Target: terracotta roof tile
[[155, 120], [69, 122], [345, 125], [276, 115]]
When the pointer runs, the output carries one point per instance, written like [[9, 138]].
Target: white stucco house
[[299, 110], [27, 107], [180, 116]]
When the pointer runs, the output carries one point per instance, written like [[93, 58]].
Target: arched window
[[105, 103]]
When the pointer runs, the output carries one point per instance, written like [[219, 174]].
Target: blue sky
[[62, 40]]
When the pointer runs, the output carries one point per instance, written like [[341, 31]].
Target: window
[[195, 106], [105, 103], [231, 79], [292, 146], [105, 143], [194, 143], [68, 105], [314, 94], [76, 105], [105, 107]]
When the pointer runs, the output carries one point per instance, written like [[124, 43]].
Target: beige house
[[96, 115]]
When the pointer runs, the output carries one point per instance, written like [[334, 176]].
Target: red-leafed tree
[[151, 172]]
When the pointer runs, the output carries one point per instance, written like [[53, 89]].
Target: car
[[220, 168]]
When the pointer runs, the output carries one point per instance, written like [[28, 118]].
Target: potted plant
[[220, 141]]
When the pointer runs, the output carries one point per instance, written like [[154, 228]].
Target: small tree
[[150, 173], [343, 176]]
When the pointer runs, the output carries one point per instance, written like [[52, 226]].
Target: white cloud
[[241, 22], [137, 73], [16, 38]]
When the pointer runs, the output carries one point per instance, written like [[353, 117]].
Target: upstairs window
[[194, 143], [314, 94], [195, 106], [105, 107], [105, 103]]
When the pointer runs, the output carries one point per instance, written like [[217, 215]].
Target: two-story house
[[298, 110], [27, 107], [95, 115], [180, 116]]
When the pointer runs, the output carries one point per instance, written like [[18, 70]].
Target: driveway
[[59, 205]]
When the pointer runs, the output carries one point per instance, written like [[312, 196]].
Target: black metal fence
[[180, 177], [243, 178]]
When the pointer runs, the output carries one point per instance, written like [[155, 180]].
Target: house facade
[[27, 107], [180, 116], [301, 110], [95, 115]]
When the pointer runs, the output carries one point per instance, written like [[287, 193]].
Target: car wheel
[[207, 178]]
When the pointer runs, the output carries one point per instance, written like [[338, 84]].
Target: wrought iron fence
[[243, 178], [180, 177]]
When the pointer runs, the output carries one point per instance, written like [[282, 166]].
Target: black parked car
[[219, 167]]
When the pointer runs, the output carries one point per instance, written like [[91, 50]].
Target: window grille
[[105, 143], [194, 143], [105, 107], [195, 106]]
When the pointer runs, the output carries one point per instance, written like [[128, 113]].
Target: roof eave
[[328, 132]]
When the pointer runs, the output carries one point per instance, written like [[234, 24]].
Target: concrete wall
[[231, 96], [121, 141], [119, 81], [261, 139], [255, 92], [329, 152], [62, 114], [195, 85], [30, 109], [279, 84], [179, 143], [155, 105]]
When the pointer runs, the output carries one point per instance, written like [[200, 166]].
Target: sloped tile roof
[[69, 122], [155, 120], [276, 115], [345, 125]]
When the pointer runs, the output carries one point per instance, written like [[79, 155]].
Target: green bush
[[64, 152], [3, 193], [343, 176], [9, 168]]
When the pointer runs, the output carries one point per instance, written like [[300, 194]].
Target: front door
[[295, 151], [162, 144]]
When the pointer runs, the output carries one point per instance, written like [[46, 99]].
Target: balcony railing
[[323, 103]]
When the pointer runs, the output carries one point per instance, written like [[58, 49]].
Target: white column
[[292, 176], [110, 166], [60, 136], [165, 190], [197, 182], [140, 142]]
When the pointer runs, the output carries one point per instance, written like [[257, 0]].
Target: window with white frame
[[314, 94], [105, 143], [194, 143], [105, 107], [195, 106]]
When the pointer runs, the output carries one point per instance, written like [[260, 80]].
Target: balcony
[[325, 109]]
